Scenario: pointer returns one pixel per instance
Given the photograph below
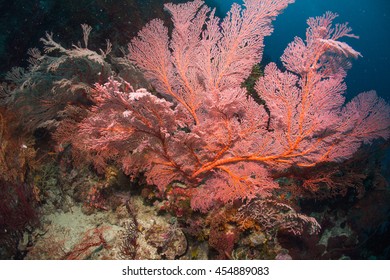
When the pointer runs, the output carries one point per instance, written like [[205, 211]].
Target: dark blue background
[[369, 19]]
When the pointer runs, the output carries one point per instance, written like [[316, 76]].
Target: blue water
[[369, 19]]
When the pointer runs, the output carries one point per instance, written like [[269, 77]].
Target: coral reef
[[171, 152]]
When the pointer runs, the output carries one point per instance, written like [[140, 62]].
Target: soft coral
[[210, 132]]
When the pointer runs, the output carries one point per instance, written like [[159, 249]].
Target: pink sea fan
[[207, 132]]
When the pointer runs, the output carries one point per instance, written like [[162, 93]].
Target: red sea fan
[[207, 132], [306, 101]]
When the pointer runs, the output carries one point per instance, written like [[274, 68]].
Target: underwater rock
[[158, 238]]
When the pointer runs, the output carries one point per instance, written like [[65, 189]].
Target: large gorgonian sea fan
[[206, 132]]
